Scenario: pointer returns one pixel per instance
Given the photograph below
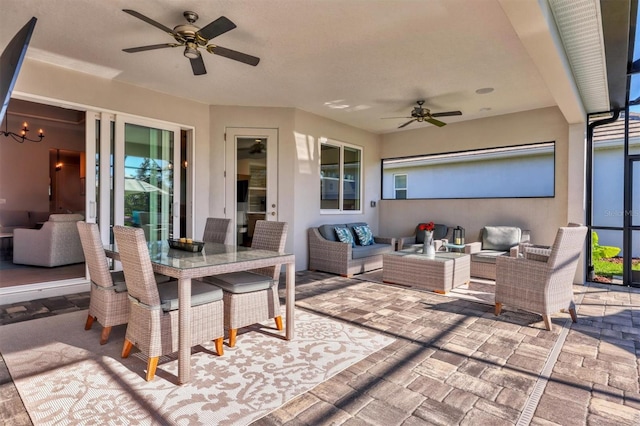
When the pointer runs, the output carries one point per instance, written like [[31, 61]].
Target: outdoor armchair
[[153, 319], [494, 242], [252, 296], [216, 230], [541, 282], [108, 302]]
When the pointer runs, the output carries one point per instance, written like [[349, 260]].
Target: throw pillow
[[344, 235], [365, 236]]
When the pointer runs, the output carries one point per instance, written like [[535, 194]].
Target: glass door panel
[[252, 179], [149, 181]]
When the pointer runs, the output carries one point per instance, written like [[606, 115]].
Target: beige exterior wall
[[540, 215]]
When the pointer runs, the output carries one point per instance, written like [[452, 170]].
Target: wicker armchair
[[153, 319], [252, 296], [541, 280], [108, 301], [216, 230]]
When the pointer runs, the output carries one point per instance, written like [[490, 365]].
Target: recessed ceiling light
[[484, 90]]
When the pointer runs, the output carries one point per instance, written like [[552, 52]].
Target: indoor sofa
[[327, 253], [11, 220], [56, 243], [495, 241]]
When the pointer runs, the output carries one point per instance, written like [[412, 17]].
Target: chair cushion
[[201, 293], [240, 282], [439, 232], [345, 236], [329, 231], [487, 256], [500, 237], [121, 286], [360, 252], [364, 234]]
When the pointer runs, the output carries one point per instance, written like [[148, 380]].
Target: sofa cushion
[[500, 237], [329, 231], [345, 235], [487, 256], [364, 234], [360, 252], [439, 232]]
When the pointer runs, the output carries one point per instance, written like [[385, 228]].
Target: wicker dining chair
[[153, 319], [108, 303], [252, 296], [216, 230], [542, 280]]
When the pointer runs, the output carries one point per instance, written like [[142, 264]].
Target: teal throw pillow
[[365, 236], [345, 236]]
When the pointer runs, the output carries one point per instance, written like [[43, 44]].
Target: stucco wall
[[540, 215]]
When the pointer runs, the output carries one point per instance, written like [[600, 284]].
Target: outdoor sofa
[[327, 253]]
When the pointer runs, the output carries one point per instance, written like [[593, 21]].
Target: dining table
[[214, 259]]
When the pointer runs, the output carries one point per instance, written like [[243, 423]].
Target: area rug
[[64, 376], [477, 290]]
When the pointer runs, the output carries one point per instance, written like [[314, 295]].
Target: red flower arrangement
[[427, 226]]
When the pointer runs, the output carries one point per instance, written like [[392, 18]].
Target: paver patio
[[452, 362]]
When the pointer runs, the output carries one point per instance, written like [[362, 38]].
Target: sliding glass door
[[132, 178]]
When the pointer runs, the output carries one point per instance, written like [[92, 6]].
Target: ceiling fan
[[192, 38], [421, 114]]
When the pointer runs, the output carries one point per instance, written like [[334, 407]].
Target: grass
[[610, 267]]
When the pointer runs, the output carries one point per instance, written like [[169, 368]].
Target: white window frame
[[342, 146], [405, 188]]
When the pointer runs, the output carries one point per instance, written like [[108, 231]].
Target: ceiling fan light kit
[[192, 38]]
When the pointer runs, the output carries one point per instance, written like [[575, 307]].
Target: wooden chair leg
[[233, 333], [126, 348], [547, 322], [219, 348], [572, 312], [89, 323], [498, 308], [152, 364], [278, 322], [104, 336]]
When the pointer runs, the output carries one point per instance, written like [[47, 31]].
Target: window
[[340, 176], [504, 172], [400, 186]]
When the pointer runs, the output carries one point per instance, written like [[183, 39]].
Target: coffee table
[[440, 273]]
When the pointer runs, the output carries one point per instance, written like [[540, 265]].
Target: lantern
[[458, 236]]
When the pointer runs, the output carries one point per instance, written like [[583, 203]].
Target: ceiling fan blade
[[435, 122], [232, 54], [216, 28], [407, 123], [150, 47], [152, 22], [446, 114], [197, 65]]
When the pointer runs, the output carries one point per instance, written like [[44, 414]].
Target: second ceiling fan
[[421, 114], [192, 38]]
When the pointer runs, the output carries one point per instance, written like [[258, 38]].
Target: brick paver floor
[[452, 361]]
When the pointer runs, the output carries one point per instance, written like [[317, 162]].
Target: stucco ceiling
[[353, 61]]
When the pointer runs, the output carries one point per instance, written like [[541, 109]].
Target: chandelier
[[22, 136]]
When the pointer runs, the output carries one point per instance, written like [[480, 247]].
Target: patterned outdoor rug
[[478, 290], [64, 376]]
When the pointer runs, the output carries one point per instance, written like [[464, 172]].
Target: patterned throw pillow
[[345, 236], [365, 236]]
